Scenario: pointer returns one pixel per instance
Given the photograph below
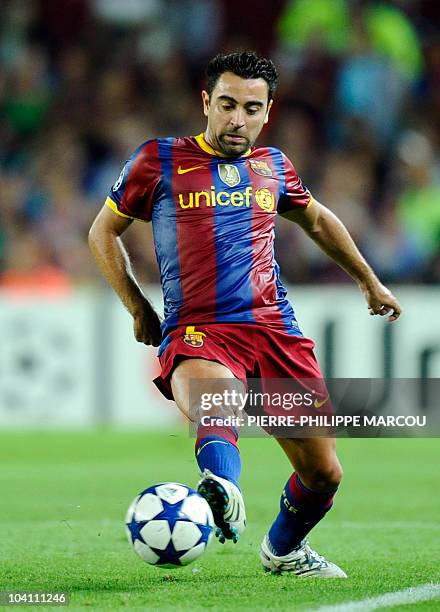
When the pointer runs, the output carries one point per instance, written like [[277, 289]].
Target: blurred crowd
[[84, 82]]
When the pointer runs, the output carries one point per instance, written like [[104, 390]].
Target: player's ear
[[269, 106], [205, 100]]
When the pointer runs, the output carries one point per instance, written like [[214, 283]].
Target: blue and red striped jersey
[[213, 225]]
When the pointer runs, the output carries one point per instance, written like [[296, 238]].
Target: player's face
[[237, 110]]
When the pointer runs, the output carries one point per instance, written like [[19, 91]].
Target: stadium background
[[82, 83]]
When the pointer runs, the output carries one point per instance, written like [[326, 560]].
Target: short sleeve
[[293, 193], [132, 195]]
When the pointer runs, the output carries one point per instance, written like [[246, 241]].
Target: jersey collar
[[200, 140]]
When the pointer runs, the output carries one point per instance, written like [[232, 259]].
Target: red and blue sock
[[300, 510], [216, 450]]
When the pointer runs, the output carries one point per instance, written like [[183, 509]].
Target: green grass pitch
[[63, 498]]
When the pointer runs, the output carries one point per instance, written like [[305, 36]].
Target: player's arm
[[330, 234], [114, 263]]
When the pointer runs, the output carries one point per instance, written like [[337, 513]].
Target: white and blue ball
[[169, 525]]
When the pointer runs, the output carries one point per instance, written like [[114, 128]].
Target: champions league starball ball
[[169, 525]]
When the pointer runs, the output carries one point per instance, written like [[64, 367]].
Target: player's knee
[[325, 478]]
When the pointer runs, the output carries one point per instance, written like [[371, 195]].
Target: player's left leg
[[305, 500], [309, 492]]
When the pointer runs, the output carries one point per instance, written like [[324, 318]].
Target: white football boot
[[303, 561], [227, 505]]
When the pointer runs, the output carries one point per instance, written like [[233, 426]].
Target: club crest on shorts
[[265, 199], [194, 338], [260, 167], [229, 174]]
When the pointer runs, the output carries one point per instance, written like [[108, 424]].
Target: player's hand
[[381, 301], [146, 326]]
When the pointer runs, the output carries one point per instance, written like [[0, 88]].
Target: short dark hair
[[245, 64]]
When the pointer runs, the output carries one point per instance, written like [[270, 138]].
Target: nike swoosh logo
[[199, 450], [181, 170], [318, 404]]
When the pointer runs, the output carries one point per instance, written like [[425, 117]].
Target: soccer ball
[[169, 525]]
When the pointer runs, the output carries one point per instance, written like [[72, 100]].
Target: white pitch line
[[423, 592]]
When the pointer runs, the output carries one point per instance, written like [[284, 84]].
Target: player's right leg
[[216, 446]]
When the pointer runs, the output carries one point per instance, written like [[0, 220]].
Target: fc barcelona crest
[[229, 174], [260, 167], [194, 338]]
